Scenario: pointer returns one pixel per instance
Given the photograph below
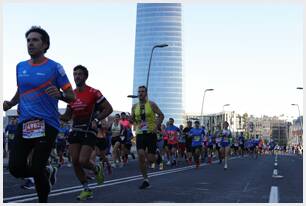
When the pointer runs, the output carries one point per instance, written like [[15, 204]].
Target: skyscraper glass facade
[[160, 23]]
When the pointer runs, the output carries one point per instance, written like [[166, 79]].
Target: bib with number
[[197, 138], [33, 129], [143, 126]]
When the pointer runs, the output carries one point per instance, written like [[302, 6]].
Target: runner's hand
[[94, 125], [7, 105], [53, 92]]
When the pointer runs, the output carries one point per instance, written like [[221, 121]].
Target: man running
[[172, 133], [146, 125], [41, 83], [197, 133], [82, 139], [188, 138]]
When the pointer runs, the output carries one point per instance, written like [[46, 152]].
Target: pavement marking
[[275, 164], [246, 186], [274, 195], [33, 196], [201, 189]]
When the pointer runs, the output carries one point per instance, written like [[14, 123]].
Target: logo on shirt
[[24, 74], [40, 74]]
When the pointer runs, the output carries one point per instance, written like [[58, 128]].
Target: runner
[[218, 138], [225, 143], [61, 142], [182, 144], [126, 143], [10, 131], [172, 133], [82, 139], [101, 145], [241, 141], [40, 81], [116, 130], [210, 146], [188, 138], [146, 125], [197, 135]]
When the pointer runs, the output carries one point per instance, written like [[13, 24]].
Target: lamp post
[[225, 106], [206, 90], [148, 74]]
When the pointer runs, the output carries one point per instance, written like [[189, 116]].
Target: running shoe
[[209, 160], [109, 168], [145, 184], [28, 184], [197, 164], [99, 174], [161, 166], [85, 195]]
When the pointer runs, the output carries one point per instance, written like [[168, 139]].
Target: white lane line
[[274, 172], [98, 186], [246, 186], [275, 164], [66, 190], [273, 195], [105, 183]]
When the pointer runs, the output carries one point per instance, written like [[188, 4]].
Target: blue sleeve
[[62, 80]]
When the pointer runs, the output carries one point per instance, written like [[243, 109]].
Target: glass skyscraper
[[160, 23]]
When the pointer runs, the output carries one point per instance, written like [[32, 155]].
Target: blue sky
[[251, 54]]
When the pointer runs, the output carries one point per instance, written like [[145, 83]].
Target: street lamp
[[206, 90], [299, 112], [225, 106], [156, 46], [148, 74]]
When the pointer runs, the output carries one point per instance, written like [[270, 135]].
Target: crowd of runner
[[91, 141]]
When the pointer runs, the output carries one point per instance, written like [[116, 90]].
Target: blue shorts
[[225, 144]]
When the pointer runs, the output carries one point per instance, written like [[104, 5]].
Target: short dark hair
[[123, 113], [81, 67], [171, 119], [44, 35], [143, 86], [197, 122]]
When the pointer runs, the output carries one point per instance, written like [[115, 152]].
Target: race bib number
[[218, 140], [11, 136], [33, 129], [143, 126], [197, 138]]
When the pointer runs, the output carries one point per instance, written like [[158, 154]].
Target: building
[[210, 121], [160, 23], [296, 132]]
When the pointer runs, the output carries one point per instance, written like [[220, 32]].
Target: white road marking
[[273, 195], [33, 196], [246, 186]]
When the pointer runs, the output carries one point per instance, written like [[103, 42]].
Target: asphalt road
[[247, 180]]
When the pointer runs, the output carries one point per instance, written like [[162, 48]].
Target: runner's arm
[[105, 109], [157, 111], [67, 115], [9, 104], [68, 95]]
